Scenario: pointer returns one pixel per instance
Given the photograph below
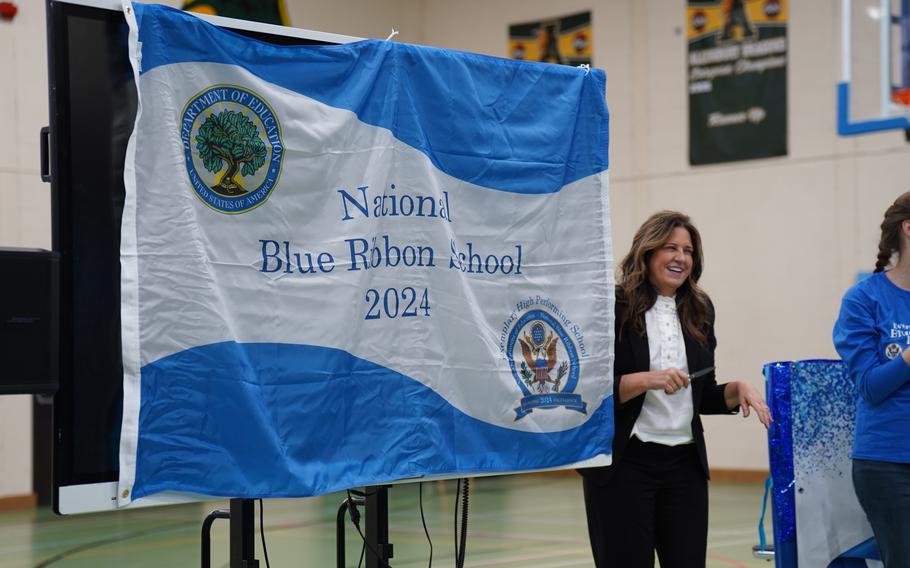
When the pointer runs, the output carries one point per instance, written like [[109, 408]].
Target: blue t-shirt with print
[[872, 331]]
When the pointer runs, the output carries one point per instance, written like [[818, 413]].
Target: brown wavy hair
[[890, 242], [636, 290]]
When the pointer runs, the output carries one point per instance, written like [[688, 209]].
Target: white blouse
[[665, 418]]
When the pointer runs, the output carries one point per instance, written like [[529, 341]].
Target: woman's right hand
[[636, 384], [668, 380]]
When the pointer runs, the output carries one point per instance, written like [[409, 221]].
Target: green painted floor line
[[528, 521]]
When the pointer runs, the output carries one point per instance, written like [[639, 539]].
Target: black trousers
[[656, 500]]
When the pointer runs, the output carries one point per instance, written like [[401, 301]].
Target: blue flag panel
[[348, 265]]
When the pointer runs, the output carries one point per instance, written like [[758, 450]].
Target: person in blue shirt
[[872, 335]]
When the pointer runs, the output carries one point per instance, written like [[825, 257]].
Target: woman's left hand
[[748, 398]]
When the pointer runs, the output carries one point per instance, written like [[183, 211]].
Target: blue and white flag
[[351, 264]]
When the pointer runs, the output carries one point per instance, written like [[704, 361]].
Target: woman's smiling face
[[671, 263]]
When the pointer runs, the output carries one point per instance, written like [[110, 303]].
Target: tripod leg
[[377, 527]]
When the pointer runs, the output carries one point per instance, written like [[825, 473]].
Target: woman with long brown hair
[[872, 335], [654, 497]]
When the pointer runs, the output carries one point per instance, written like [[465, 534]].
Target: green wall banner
[[737, 80]]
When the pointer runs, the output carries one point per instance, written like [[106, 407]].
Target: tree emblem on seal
[[232, 145], [230, 137]]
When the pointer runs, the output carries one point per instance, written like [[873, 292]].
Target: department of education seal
[[232, 146], [544, 363]]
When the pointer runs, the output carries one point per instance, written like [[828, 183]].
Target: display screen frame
[[92, 99]]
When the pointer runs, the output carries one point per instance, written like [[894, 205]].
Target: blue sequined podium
[[817, 520]]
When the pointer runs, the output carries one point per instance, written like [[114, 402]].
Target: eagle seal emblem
[[539, 354], [544, 363], [892, 350]]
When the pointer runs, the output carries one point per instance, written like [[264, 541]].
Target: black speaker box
[[29, 316]]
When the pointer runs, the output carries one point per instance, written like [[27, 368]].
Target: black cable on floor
[[461, 494], [354, 513], [455, 518], [424, 521], [265, 551], [464, 519]]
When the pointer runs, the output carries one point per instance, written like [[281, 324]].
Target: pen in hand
[[700, 373]]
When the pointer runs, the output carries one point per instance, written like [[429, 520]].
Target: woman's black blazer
[[633, 356]]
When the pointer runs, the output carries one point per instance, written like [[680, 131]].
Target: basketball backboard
[[874, 92]]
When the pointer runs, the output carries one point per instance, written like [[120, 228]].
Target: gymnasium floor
[[531, 521]]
